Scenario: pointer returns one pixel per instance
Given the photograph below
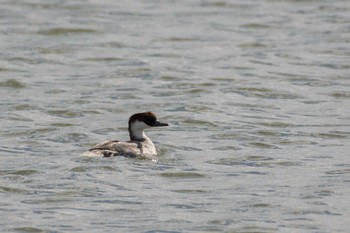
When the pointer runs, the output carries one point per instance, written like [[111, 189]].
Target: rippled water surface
[[257, 94]]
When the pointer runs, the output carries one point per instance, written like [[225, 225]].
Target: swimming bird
[[139, 144]]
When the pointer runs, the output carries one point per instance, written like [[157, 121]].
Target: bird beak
[[157, 123]]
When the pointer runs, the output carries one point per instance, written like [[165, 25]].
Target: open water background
[[257, 94]]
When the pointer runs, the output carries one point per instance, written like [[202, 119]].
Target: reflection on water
[[257, 95]]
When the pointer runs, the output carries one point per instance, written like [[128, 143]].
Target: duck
[[139, 144]]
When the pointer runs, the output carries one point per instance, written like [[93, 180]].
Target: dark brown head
[[140, 121]]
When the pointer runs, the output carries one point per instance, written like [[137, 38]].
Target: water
[[257, 94]]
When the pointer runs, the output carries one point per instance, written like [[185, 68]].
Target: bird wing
[[107, 145], [114, 148]]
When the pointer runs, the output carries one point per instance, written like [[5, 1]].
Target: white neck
[[137, 131]]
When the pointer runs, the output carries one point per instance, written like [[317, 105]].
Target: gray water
[[257, 94]]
